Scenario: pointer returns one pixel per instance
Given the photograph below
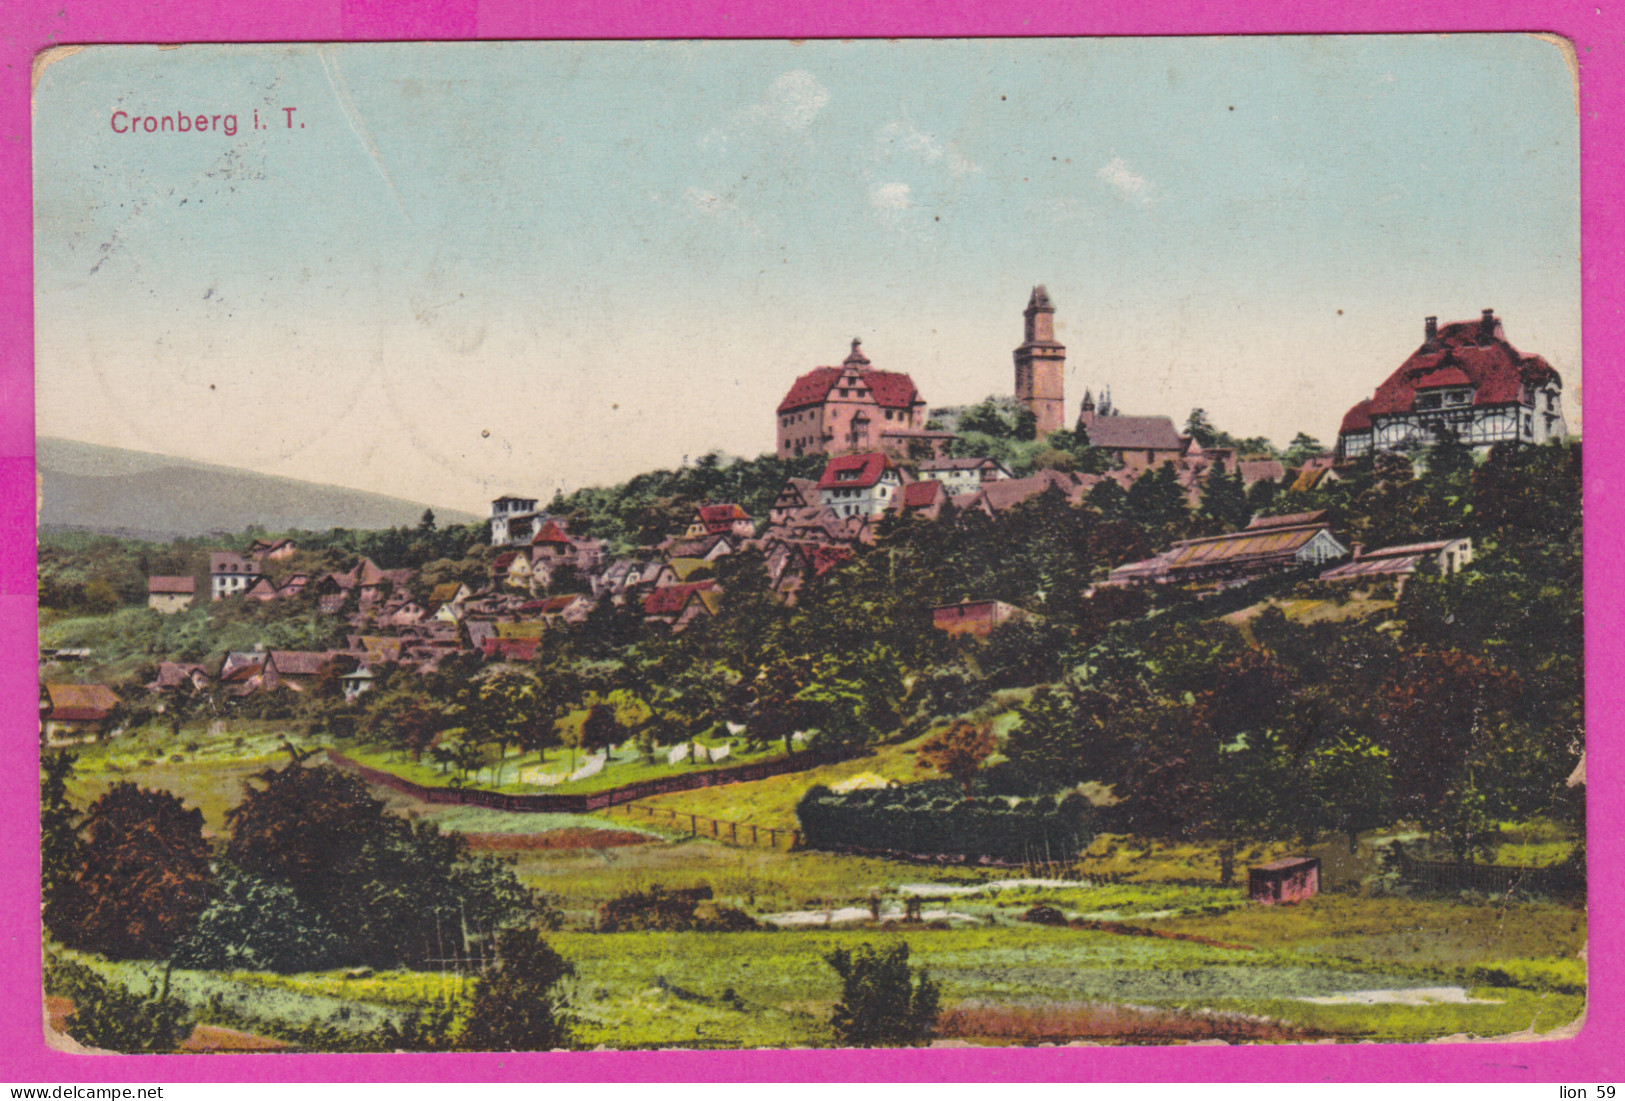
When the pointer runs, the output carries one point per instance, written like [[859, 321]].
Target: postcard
[[823, 544]]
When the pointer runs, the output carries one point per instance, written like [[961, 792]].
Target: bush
[[107, 1015], [936, 818], [882, 1004], [253, 925], [679, 911], [519, 1004]]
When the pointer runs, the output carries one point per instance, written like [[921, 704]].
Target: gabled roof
[[232, 562], [1461, 353], [855, 471], [1261, 470], [80, 702], [174, 673], [1266, 543], [1006, 493], [186, 586], [1131, 433], [719, 517], [890, 389], [1357, 419], [921, 494], [503, 560], [672, 599], [550, 533], [299, 663], [686, 568]]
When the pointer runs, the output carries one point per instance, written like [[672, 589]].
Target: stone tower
[[1040, 366]]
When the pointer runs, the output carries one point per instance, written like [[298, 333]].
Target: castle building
[[1041, 365], [1465, 380], [850, 408]]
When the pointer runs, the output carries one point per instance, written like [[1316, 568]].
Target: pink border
[[1599, 37]]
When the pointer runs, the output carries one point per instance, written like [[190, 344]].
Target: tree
[[60, 853], [1303, 448], [426, 523], [1200, 428], [519, 1003], [253, 925], [958, 751], [144, 873], [1224, 499], [882, 1003]]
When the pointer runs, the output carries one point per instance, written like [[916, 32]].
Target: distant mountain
[[137, 494]]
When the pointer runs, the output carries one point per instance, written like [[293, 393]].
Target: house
[[76, 712], [922, 499], [299, 669], [626, 576], [174, 674], [168, 595], [569, 607], [975, 617], [1290, 880], [511, 568], [1397, 563], [839, 410], [791, 563], [999, 496], [244, 672], [510, 649], [1139, 443], [1465, 381], [964, 475], [1261, 470], [276, 550], [679, 605], [357, 683], [1267, 545], [262, 589], [720, 519], [231, 573], [859, 485], [707, 547], [513, 520], [796, 496]]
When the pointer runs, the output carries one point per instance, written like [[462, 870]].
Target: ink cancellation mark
[[123, 122]]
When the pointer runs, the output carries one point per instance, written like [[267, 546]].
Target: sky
[[456, 271]]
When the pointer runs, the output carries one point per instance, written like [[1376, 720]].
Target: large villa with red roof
[[853, 407], [1464, 379]]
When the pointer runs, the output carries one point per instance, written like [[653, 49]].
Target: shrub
[[254, 925], [882, 1004], [107, 1015], [519, 1003], [660, 910]]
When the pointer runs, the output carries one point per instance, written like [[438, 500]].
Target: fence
[[586, 803], [1494, 879], [729, 833]]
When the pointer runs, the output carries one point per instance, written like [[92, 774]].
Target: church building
[[851, 408], [1040, 365], [1464, 380]]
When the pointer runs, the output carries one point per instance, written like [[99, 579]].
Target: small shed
[[1289, 880]]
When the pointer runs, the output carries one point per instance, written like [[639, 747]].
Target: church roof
[[1132, 433]]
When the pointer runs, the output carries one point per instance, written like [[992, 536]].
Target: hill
[[109, 490]]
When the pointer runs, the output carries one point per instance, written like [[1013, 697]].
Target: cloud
[[903, 137], [889, 198], [719, 208], [792, 101], [1128, 184]]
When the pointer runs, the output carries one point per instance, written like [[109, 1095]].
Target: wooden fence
[[729, 833], [586, 803]]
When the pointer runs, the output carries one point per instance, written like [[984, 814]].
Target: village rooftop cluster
[[887, 462]]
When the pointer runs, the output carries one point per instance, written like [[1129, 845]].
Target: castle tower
[[1041, 365]]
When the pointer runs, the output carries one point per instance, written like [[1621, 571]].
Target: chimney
[[1430, 329], [1358, 549], [1486, 327]]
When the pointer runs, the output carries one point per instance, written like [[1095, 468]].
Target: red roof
[[1444, 376], [550, 533], [861, 471], [186, 585], [892, 389], [717, 517], [503, 560], [1130, 433], [921, 494], [1454, 357], [672, 599], [514, 649], [1357, 419]]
